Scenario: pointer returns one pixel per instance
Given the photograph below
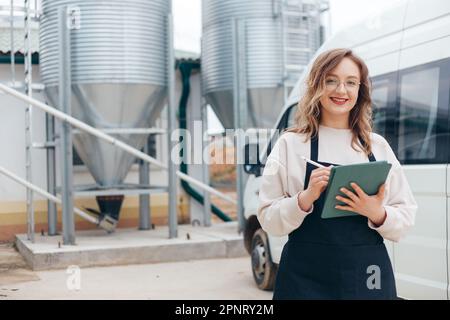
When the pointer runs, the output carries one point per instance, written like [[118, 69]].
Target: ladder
[[31, 14], [300, 25]]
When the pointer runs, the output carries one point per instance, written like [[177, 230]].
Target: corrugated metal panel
[[264, 44], [5, 40], [119, 41]]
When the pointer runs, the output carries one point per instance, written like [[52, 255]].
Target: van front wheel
[[264, 270]]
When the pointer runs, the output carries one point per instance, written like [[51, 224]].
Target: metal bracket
[[73, 18], [44, 145], [107, 223], [276, 10]]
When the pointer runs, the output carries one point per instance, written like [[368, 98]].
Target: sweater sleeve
[[399, 204], [279, 213]]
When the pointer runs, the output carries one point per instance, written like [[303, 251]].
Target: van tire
[[263, 269]]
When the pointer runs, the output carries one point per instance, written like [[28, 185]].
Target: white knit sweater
[[284, 175]]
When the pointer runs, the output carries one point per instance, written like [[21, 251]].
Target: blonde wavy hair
[[308, 114]]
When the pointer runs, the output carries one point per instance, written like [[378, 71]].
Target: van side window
[[422, 123], [384, 97], [380, 94], [287, 117], [291, 117]]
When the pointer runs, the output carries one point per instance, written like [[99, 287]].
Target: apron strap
[[315, 147], [371, 156]]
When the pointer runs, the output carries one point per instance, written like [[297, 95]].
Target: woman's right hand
[[318, 182]]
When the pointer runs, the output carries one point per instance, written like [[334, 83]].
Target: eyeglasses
[[333, 84]]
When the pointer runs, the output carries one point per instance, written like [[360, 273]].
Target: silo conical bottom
[[110, 205], [112, 106]]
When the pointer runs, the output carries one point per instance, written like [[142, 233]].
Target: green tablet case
[[369, 176]]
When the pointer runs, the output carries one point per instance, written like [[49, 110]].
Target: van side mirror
[[252, 165]]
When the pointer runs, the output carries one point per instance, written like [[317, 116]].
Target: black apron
[[337, 258]]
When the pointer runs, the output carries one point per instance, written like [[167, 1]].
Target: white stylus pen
[[313, 162]]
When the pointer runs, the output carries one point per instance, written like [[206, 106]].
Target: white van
[[407, 50]]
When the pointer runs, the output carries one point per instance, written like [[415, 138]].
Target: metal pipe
[[173, 223], [129, 131], [239, 109], [45, 194], [144, 199], [51, 175], [68, 222], [108, 138], [28, 122], [11, 25], [205, 168], [284, 55]]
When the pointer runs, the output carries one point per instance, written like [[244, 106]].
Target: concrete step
[[132, 246], [10, 258]]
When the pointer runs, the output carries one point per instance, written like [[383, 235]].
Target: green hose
[[186, 69], [18, 59]]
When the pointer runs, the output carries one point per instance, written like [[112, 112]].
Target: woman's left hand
[[361, 203]]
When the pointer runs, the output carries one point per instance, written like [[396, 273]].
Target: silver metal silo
[[277, 37], [119, 66]]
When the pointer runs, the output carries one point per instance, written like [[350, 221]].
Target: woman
[[339, 258]]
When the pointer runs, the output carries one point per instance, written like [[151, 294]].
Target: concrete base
[[132, 246]]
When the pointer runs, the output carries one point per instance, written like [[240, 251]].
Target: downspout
[[185, 70]]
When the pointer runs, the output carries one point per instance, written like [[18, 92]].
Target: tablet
[[369, 176]]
